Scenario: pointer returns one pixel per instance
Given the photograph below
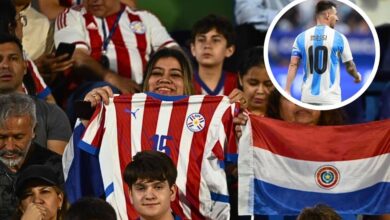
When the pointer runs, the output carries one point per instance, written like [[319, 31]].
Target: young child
[[212, 40], [151, 179]]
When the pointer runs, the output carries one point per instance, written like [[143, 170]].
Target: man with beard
[[17, 150]]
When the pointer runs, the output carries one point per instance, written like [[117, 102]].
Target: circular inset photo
[[321, 55]]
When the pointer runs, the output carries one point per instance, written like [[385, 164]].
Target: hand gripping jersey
[[137, 34], [320, 49], [195, 131], [227, 83]]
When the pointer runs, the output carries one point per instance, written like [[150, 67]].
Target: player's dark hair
[[150, 166], [319, 212], [221, 24], [323, 6]]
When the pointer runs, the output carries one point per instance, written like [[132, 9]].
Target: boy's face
[[152, 199], [210, 49]]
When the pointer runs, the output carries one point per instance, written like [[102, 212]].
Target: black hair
[[89, 208], [7, 16], [250, 58], [8, 38], [221, 24], [323, 6], [150, 165]]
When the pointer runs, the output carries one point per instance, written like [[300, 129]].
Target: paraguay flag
[[284, 167]]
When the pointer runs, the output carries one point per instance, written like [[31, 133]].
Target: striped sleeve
[[70, 28]]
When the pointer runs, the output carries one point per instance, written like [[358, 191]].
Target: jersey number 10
[[314, 59]]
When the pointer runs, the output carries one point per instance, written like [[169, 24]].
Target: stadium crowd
[[112, 47]]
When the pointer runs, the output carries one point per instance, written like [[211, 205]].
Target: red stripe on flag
[[227, 118], [141, 40], [176, 123], [196, 156], [96, 41], [97, 140], [151, 110], [124, 143], [321, 143]]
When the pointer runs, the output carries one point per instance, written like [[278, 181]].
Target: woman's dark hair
[[250, 58], [329, 117]]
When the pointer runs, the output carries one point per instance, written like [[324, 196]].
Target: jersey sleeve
[[93, 135], [157, 32], [346, 54], [70, 28], [296, 50]]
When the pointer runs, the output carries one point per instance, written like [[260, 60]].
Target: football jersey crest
[[137, 27], [195, 122]]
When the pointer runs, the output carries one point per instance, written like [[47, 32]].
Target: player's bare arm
[[351, 69], [292, 72]]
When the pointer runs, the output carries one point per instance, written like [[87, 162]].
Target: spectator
[[254, 81], [12, 23], [281, 108], [35, 26], [151, 177], [212, 40], [113, 41], [89, 208], [52, 8], [17, 149], [53, 128], [40, 194], [318, 212]]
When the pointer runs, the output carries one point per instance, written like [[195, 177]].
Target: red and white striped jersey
[[227, 83], [195, 131], [138, 34]]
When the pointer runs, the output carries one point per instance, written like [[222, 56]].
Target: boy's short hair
[[150, 165], [318, 212], [221, 24]]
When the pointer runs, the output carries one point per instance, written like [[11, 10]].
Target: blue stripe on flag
[[84, 176], [44, 93], [233, 158], [88, 148], [270, 199], [219, 197], [109, 189]]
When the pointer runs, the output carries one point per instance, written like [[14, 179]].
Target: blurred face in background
[[102, 8], [257, 87], [291, 112]]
